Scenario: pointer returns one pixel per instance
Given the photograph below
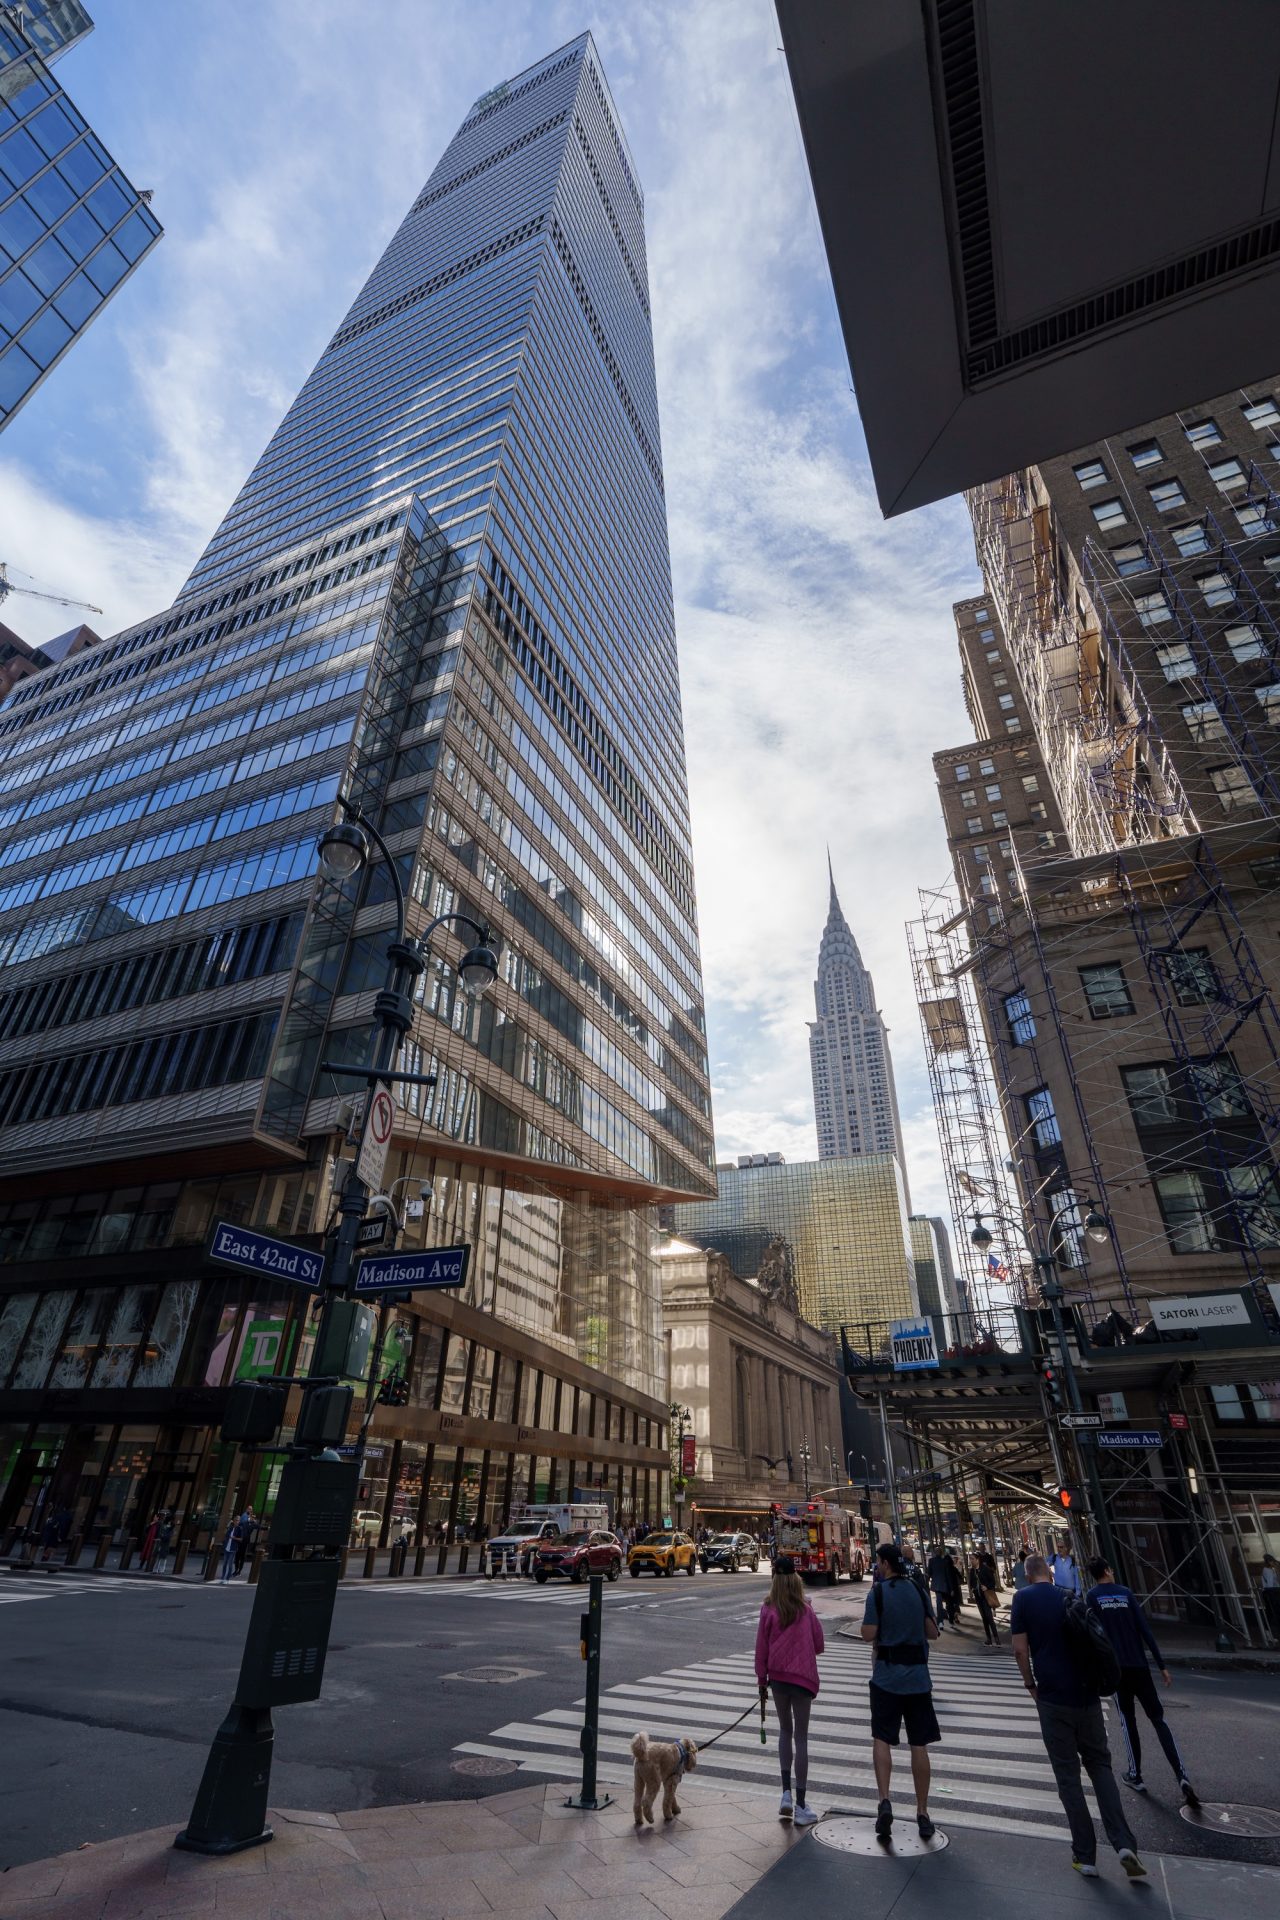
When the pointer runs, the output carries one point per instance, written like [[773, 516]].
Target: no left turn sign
[[379, 1121]]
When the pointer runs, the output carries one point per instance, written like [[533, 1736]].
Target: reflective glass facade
[[844, 1221], [72, 227], [444, 591]]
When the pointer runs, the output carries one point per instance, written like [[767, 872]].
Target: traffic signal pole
[[1051, 1292]]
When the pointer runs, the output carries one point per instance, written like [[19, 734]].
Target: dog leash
[[735, 1723]]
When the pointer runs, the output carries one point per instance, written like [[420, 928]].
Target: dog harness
[[684, 1757]]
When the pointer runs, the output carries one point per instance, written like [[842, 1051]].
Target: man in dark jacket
[[1071, 1722], [1128, 1630], [939, 1571]]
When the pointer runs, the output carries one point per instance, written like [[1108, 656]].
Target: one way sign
[[410, 1272]]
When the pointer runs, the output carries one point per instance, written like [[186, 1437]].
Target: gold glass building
[[844, 1221]]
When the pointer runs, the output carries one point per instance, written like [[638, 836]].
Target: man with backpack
[[1067, 1664], [899, 1622], [1125, 1624]]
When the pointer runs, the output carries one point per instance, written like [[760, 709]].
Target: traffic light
[[394, 1391], [1070, 1499], [1052, 1385]]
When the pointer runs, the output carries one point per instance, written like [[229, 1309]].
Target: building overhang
[[1044, 224]]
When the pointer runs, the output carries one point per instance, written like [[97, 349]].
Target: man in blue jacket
[[1130, 1634]]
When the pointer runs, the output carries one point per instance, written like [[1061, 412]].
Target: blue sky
[[283, 140]]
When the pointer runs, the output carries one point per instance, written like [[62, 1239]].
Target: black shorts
[[890, 1711]]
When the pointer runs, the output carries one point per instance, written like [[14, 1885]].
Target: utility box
[[288, 1635], [314, 1506], [346, 1341], [254, 1412]]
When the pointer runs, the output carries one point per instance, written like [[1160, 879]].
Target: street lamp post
[[682, 1420], [1052, 1293], [230, 1807]]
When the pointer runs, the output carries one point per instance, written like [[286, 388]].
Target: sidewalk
[[193, 1572], [521, 1852]]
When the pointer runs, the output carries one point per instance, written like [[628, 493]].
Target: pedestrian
[[1071, 1724], [1129, 1632], [913, 1572], [788, 1641], [984, 1598], [1269, 1587], [230, 1541], [956, 1594], [899, 1622], [1064, 1571], [245, 1528], [1020, 1571], [149, 1539], [939, 1572]]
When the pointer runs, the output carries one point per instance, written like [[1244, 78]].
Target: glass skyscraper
[[72, 227], [444, 589]]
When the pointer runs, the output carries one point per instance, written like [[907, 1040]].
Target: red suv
[[577, 1555]]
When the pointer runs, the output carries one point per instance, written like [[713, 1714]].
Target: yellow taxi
[[663, 1553]]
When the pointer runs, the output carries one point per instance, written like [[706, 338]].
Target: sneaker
[[1088, 1868], [1134, 1780], [785, 1807], [925, 1826], [1189, 1793], [805, 1817], [1131, 1864], [884, 1820]]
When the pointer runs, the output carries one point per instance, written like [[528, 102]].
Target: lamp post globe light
[[230, 1807]]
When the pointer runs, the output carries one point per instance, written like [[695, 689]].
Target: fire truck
[[824, 1540]]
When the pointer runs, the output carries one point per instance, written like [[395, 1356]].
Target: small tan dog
[[660, 1763]]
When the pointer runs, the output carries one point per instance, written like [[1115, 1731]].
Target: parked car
[[577, 1554], [663, 1552], [730, 1552], [515, 1549]]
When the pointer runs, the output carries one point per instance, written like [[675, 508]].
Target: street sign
[[1179, 1422], [379, 1120], [409, 1272], [1131, 1439], [1080, 1419], [912, 1345], [373, 1231], [236, 1246]]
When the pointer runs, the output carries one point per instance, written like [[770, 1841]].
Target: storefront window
[[43, 1340], [426, 1362], [260, 1349], [15, 1318], [15, 1224], [222, 1331], [159, 1363], [80, 1343]]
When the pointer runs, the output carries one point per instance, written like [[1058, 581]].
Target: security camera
[[424, 1192]]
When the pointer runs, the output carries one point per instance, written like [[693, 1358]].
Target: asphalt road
[[111, 1691]]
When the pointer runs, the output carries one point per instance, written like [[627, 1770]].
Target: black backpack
[[1092, 1654]]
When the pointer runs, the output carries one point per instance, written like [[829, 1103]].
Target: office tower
[[444, 589], [854, 1098], [72, 227], [1114, 835], [935, 1271], [836, 1230]]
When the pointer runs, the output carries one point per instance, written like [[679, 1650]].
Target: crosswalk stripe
[[990, 1773], [15, 1589]]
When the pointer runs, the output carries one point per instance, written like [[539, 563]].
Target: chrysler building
[[853, 1091]]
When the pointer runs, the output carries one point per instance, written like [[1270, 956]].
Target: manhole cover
[[494, 1676], [855, 1833], [483, 1763], [1249, 1823]]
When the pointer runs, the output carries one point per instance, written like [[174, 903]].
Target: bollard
[[127, 1552], [589, 1801], [442, 1558], [419, 1560], [211, 1558], [370, 1561], [75, 1547], [396, 1567], [104, 1548], [255, 1565], [180, 1558], [463, 1554], [344, 1559]]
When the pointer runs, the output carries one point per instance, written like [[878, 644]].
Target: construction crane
[[7, 587]]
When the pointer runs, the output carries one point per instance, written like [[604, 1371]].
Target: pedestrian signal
[[1069, 1499]]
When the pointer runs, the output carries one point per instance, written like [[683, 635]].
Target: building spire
[[854, 1097]]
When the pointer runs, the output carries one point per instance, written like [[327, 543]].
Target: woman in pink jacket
[[788, 1642]]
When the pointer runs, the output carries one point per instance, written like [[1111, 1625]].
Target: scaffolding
[[965, 1102], [1114, 781]]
